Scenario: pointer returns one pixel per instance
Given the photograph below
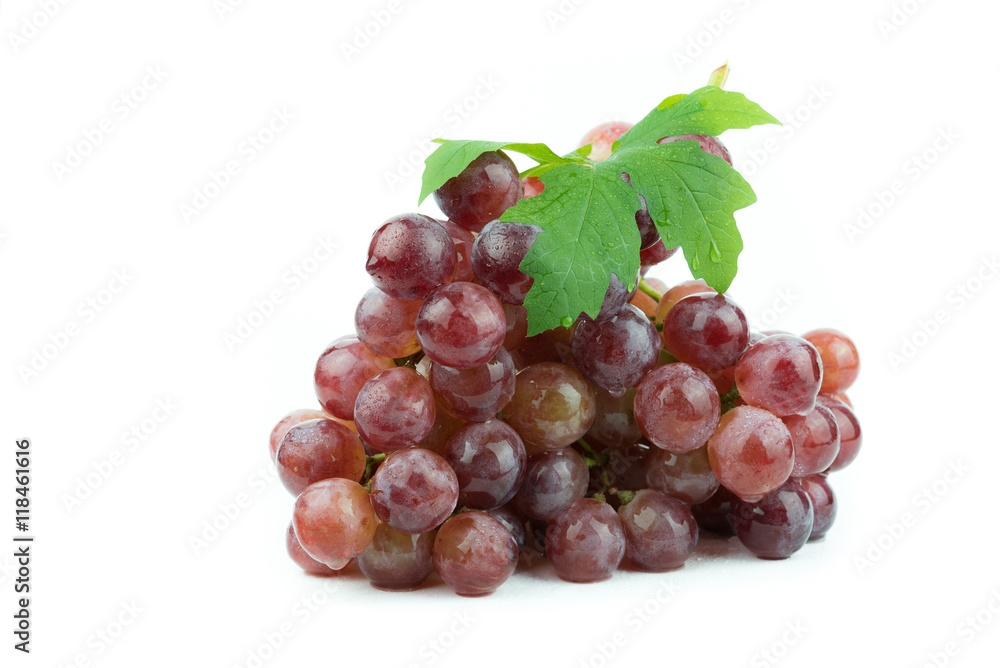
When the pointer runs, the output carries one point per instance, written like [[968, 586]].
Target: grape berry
[[449, 441]]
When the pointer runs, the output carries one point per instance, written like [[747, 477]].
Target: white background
[[861, 97]]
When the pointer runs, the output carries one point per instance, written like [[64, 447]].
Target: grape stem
[[649, 290], [372, 460], [593, 458], [719, 75]]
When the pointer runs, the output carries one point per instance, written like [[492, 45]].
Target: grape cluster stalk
[[447, 441]]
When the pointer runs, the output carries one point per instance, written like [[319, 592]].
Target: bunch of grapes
[[449, 441]]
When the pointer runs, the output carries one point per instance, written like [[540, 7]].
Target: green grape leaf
[[587, 216], [587, 210], [453, 156], [691, 196], [706, 111]]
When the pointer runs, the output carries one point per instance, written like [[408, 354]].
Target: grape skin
[[334, 521], [410, 255], [489, 461], [686, 476], [824, 504], [497, 256], [474, 554], [655, 254], [396, 561], [615, 354], [553, 406], [552, 482], [463, 240], [678, 292], [778, 525], [751, 452], [461, 325], [475, 394], [486, 188], [782, 374], [677, 407], [840, 359], [586, 542], [660, 531], [815, 439], [303, 560], [614, 420], [386, 325], [414, 491], [850, 431], [342, 370], [395, 410], [517, 325], [706, 331], [603, 137], [316, 450], [289, 421]]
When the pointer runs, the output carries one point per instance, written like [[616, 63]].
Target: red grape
[[395, 410], [342, 370], [586, 542], [553, 406], [850, 431], [687, 476], [410, 255], [781, 373], [824, 504], [552, 482], [677, 407], [815, 439], [489, 460], [299, 556], [615, 354], [414, 490], [603, 137], [497, 256], [386, 325], [660, 531], [474, 554], [778, 525], [840, 359], [475, 394], [289, 421], [317, 450], [482, 192], [751, 452], [461, 325], [334, 521], [396, 561], [707, 331]]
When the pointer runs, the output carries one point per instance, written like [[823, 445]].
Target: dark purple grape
[[706, 331], [586, 542], [660, 531], [396, 561], [474, 554], [614, 422], [414, 490], [815, 440], [482, 192], [656, 254], [317, 450], [781, 373], [410, 255], [512, 520], [517, 325], [303, 560], [687, 476], [617, 353], [615, 297], [648, 234], [778, 525], [461, 325], [850, 431], [552, 345], [489, 460], [475, 394], [497, 256], [824, 504], [395, 410], [552, 482], [716, 514]]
